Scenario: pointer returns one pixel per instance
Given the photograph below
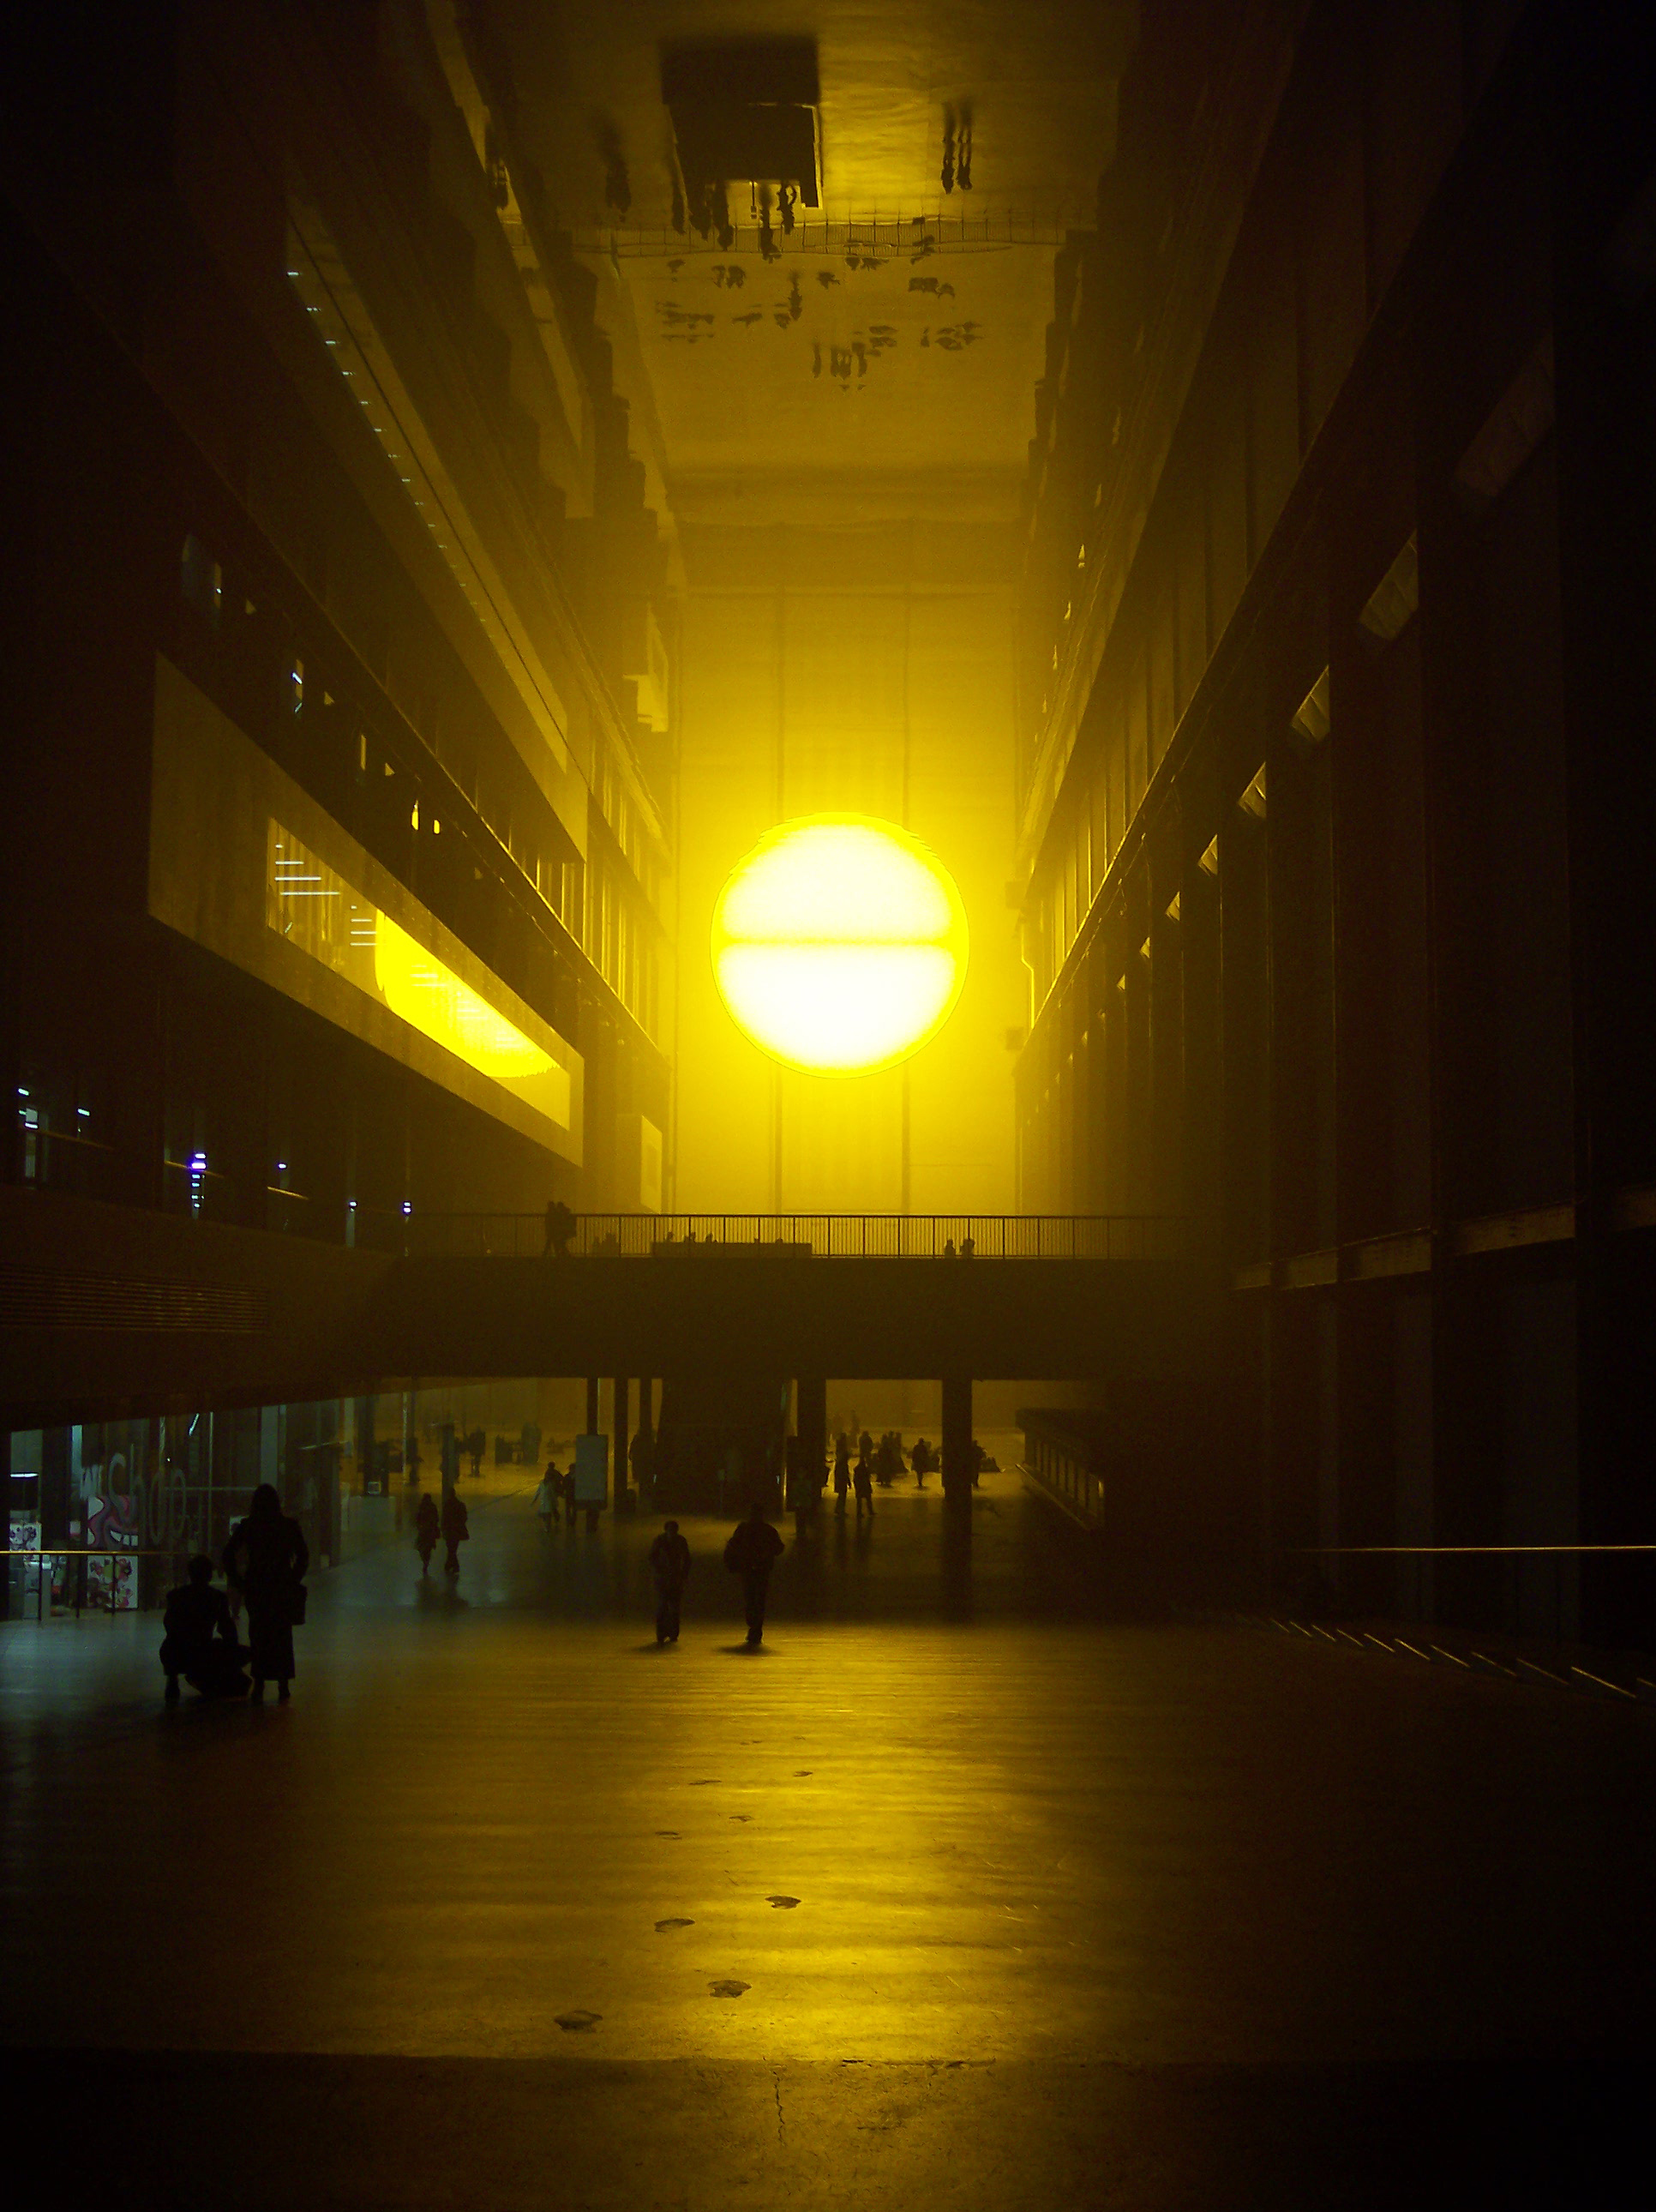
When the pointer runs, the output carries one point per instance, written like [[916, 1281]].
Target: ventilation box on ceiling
[[1519, 420], [1395, 600], [1311, 721], [744, 110]]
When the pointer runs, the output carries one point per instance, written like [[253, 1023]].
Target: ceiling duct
[[745, 110]]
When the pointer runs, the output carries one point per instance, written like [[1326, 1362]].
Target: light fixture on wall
[[839, 944]]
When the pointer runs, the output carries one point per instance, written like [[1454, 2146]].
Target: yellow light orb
[[839, 944]]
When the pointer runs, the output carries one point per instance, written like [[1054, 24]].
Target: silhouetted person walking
[[265, 1559], [752, 1552], [199, 1640], [455, 1531], [863, 1480], [546, 1496], [669, 1563], [842, 1471], [560, 1228], [425, 1530]]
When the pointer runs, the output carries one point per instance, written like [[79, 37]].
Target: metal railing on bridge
[[683, 1238]]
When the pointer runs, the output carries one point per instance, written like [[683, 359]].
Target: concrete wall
[[848, 669]]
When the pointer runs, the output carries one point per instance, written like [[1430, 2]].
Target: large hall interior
[[829, 1004]]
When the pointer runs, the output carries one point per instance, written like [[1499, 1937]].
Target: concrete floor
[[959, 1893]]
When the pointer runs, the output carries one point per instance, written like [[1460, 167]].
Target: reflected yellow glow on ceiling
[[433, 1000], [318, 911], [839, 944]]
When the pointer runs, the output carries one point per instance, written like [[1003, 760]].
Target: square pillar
[[646, 1440], [619, 1389], [812, 1392], [957, 1437]]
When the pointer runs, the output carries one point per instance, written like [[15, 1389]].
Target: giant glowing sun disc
[[839, 944]]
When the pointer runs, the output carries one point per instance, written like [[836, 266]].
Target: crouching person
[[199, 1638]]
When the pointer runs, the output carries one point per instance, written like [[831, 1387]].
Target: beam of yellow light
[[433, 1000], [839, 944]]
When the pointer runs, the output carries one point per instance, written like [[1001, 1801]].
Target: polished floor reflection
[[962, 1891]]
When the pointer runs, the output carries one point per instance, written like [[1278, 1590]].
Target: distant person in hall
[[669, 1563], [841, 1471], [560, 1228], [863, 1479], [425, 1530], [455, 1531], [640, 1456], [265, 1559], [752, 1552], [199, 1640], [547, 1495]]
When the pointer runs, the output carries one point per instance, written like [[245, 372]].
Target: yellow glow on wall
[[839, 944], [319, 912], [433, 1000]]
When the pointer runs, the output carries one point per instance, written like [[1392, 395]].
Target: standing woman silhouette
[[265, 1559]]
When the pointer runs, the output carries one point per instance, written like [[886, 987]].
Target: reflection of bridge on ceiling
[[889, 237], [810, 1235], [115, 1310]]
